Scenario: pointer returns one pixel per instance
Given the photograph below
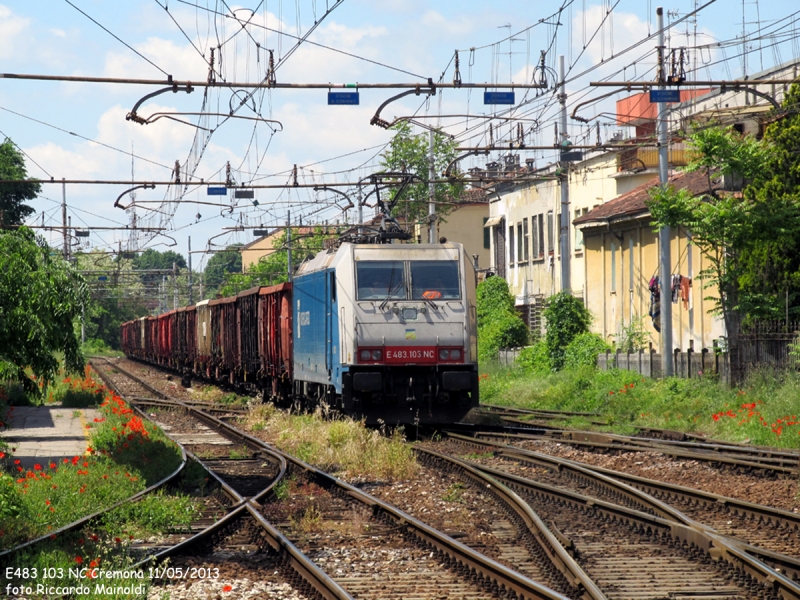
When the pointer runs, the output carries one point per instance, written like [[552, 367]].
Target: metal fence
[[765, 344]]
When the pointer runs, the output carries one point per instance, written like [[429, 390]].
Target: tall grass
[[763, 411], [343, 445]]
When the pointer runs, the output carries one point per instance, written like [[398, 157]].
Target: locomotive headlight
[[365, 354], [376, 355], [444, 354], [455, 354]]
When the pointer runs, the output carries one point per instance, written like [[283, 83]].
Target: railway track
[[422, 562], [767, 534]]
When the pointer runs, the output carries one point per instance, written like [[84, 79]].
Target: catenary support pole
[[191, 290], [431, 191], [563, 249], [64, 216], [289, 243], [664, 234]]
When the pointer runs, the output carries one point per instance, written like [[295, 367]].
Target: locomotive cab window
[[381, 280], [435, 280]]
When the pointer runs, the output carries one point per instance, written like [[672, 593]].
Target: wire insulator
[[271, 79], [457, 72]]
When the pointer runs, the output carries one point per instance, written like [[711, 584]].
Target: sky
[[79, 131]]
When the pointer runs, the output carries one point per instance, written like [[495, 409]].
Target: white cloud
[[180, 61], [11, 29]]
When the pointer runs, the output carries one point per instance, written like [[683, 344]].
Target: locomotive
[[381, 332]]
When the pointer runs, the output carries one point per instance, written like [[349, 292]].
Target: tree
[[13, 195], [410, 153], [120, 297], [273, 268], [41, 296], [566, 318], [725, 228], [219, 265], [770, 281], [153, 259], [499, 325]]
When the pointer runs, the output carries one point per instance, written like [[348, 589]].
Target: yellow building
[[622, 258], [464, 224], [258, 248]]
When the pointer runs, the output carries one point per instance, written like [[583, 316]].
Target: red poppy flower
[[2, 454], [78, 559], [116, 539], [53, 465], [227, 588], [37, 466], [16, 462]]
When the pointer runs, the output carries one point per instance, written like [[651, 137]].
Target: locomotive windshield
[[434, 280], [386, 280], [381, 279]]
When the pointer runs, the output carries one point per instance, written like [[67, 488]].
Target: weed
[[76, 414], [355, 449], [454, 493], [478, 455], [239, 453], [309, 522]]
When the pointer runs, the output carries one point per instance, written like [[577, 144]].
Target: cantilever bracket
[[147, 186]]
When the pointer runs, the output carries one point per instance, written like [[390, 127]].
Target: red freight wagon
[[150, 339], [275, 338], [247, 326], [163, 341], [178, 338], [224, 338], [191, 337]]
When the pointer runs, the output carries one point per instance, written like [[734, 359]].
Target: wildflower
[[94, 537], [86, 464], [116, 539], [19, 469], [52, 536], [94, 563], [2, 454], [47, 502], [17, 461], [52, 465], [227, 588], [80, 541], [37, 466]]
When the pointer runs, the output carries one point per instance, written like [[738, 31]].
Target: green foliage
[[633, 336], [410, 153], [155, 513], [724, 227], [499, 326], [583, 350], [219, 266], [40, 299], [535, 358], [566, 318], [720, 151], [628, 401], [153, 259], [13, 195], [273, 268], [492, 298]]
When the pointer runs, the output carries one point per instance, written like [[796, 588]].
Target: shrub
[[583, 350], [499, 325], [493, 299], [535, 358], [566, 318], [505, 331]]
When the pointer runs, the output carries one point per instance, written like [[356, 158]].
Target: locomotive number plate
[[405, 354]]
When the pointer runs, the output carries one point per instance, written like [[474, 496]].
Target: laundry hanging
[[655, 303]]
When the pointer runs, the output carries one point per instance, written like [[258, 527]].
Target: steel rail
[[434, 539], [698, 534], [307, 569], [603, 441], [555, 552]]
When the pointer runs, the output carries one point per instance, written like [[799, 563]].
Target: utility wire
[[117, 38]]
